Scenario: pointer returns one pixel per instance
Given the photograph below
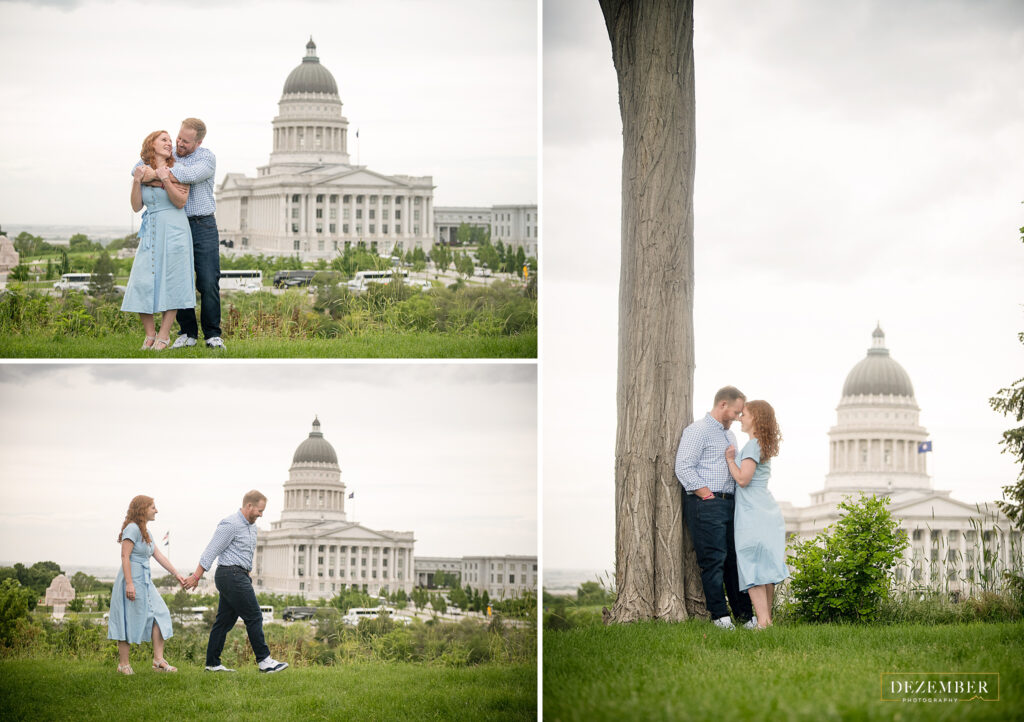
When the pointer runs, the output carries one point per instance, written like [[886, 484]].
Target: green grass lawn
[[658, 671], [369, 345], [87, 690]]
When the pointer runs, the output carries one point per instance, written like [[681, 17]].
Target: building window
[[373, 199], [511, 578], [344, 229], [295, 245], [398, 214], [373, 227], [373, 213], [359, 199], [384, 228], [359, 213], [295, 212], [416, 215], [386, 200], [334, 229], [295, 198]]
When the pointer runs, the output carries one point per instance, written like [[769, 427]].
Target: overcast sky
[[446, 88], [856, 162], [447, 451]]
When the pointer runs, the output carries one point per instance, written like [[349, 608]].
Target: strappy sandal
[[147, 345], [125, 669], [162, 666], [164, 341]]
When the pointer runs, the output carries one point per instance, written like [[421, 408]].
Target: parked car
[[293, 614], [293, 279]]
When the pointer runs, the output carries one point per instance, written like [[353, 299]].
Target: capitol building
[[879, 447], [314, 549], [310, 199]]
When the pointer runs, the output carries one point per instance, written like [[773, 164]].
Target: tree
[[521, 261], [80, 243], [656, 573], [102, 281], [83, 582], [463, 234], [1010, 401], [51, 270], [19, 272], [15, 602], [441, 257], [464, 265], [65, 263]]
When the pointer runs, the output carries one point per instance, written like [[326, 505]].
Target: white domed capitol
[[314, 550], [311, 200], [879, 447]]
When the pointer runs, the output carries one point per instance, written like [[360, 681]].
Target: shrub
[[14, 602], [843, 574]]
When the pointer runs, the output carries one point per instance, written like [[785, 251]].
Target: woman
[[162, 277], [137, 611], [760, 530]]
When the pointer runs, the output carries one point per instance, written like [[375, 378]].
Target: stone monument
[[9, 258], [58, 594]]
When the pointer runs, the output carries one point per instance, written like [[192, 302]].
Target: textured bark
[[652, 48]]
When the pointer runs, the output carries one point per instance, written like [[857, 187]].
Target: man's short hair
[[730, 394], [197, 125], [253, 497]]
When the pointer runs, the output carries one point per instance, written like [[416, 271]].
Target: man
[[196, 166], [234, 544], [708, 505]]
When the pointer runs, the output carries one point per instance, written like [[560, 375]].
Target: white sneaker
[[751, 623], [219, 668], [183, 341], [269, 664], [724, 623], [215, 342]]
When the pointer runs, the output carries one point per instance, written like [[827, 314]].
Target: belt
[[719, 494]]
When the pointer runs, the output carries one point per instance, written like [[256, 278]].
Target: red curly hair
[[137, 513], [148, 154], [764, 428]]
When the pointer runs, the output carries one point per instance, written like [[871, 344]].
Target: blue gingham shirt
[[700, 460], [196, 169], [234, 542]]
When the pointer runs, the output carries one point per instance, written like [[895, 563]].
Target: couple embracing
[[137, 611], [179, 249], [736, 526]]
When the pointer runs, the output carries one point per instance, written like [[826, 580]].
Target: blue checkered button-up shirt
[[700, 460], [197, 169], [234, 542]]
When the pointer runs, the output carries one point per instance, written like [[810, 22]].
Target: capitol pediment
[[361, 177], [940, 505]]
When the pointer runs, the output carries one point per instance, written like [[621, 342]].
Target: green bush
[[844, 574], [14, 603]]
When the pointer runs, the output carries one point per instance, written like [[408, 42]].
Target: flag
[[167, 539], [357, 132], [924, 446], [352, 495]]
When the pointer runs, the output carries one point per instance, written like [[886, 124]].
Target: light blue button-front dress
[[759, 528], [132, 621], [163, 272]]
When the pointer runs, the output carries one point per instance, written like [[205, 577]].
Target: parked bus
[[73, 282], [248, 281], [363, 278]]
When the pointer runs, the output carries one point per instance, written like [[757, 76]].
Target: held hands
[[190, 582], [730, 453], [162, 173], [181, 579], [139, 174]]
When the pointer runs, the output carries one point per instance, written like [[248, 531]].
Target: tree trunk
[[656, 571]]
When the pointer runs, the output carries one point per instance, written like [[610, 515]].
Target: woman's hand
[[162, 172], [730, 453], [129, 591], [181, 579], [139, 173]]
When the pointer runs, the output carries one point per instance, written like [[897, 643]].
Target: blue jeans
[[711, 528], [206, 256], [237, 599]]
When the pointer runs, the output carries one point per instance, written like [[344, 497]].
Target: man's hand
[[703, 492]]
